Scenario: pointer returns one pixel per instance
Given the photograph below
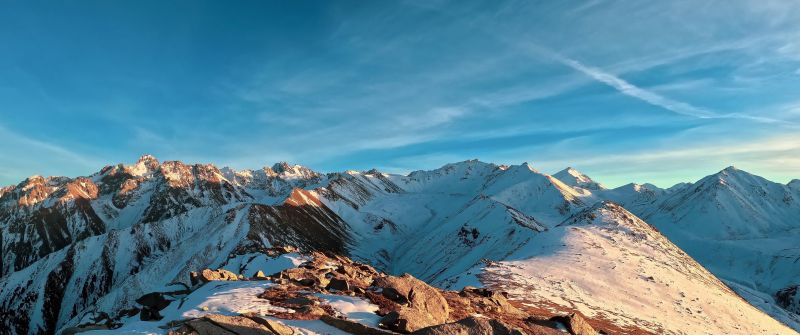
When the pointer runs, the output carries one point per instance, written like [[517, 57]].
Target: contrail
[[647, 96]]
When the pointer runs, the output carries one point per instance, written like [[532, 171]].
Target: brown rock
[[487, 301], [470, 326], [407, 320], [306, 276], [260, 275], [208, 275], [312, 311], [576, 324], [203, 327], [353, 327], [276, 327], [302, 300], [238, 324], [418, 295]]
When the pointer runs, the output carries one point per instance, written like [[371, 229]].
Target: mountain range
[[717, 256]]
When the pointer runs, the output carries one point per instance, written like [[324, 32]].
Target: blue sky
[[641, 91]]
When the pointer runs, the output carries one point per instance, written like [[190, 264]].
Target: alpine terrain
[[468, 248]]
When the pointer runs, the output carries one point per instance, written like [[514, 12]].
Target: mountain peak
[[575, 178], [730, 169], [529, 167], [732, 173], [145, 165], [281, 167], [147, 158]]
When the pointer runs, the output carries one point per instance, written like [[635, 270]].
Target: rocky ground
[[314, 290]]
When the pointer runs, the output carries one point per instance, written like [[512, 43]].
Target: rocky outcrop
[[576, 324], [208, 275], [470, 326], [421, 304], [485, 301], [789, 299], [353, 327]]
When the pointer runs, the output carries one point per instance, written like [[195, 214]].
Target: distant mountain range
[[691, 259]]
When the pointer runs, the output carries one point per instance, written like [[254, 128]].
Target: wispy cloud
[[28, 143], [655, 99]]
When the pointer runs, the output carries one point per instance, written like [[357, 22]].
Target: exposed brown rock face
[[308, 227], [208, 275], [470, 326], [485, 301]]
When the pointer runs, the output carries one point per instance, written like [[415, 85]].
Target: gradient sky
[[644, 91]]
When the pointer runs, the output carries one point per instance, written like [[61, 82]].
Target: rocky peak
[[177, 174], [281, 167], [81, 187], [144, 166], [36, 188], [794, 184], [286, 171], [301, 197]]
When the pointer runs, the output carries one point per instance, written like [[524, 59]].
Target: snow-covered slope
[[743, 228], [575, 178], [72, 247], [608, 264], [634, 197]]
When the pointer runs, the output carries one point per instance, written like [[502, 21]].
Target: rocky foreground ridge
[[306, 293]]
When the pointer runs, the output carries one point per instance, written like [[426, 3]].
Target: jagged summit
[[147, 158], [281, 167], [145, 165]]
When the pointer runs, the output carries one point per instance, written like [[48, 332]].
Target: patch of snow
[[355, 309]]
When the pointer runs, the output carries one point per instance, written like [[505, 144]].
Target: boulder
[[576, 324], [202, 327], [488, 301], [208, 275], [470, 326], [418, 295], [353, 327], [312, 311], [238, 324], [260, 275], [277, 328], [306, 276], [406, 320]]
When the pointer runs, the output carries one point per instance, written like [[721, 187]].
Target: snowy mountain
[[743, 228], [575, 178], [76, 247]]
